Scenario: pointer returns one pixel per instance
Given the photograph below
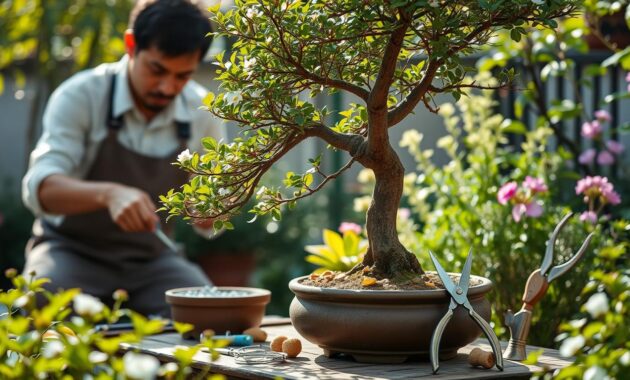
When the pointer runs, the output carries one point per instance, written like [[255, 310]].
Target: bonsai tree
[[390, 54]]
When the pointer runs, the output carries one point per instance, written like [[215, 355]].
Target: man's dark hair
[[174, 27]]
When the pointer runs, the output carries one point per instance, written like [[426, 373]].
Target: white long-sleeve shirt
[[75, 123]]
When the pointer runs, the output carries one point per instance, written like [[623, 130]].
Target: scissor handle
[[435, 340], [489, 333], [535, 289]]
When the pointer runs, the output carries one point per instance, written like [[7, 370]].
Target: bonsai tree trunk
[[386, 252]]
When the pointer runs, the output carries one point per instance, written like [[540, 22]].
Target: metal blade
[[165, 239], [546, 264], [559, 270], [464, 279], [446, 279]]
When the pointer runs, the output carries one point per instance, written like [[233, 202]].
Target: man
[[110, 137]]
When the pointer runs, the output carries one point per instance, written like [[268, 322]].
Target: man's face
[[156, 79]]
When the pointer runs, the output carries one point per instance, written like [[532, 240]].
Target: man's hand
[[132, 209]]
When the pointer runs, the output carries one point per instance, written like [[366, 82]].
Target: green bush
[[60, 341]]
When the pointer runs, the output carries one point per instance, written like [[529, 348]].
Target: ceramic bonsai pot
[[221, 309], [384, 326]]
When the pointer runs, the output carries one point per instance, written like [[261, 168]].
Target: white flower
[[184, 157], [595, 373], [571, 345], [597, 305], [578, 323], [223, 191], [233, 97], [411, 138], [625, 359], [97, 357], [253, 12], [52, 348], [434, 3], [85, 304], [21, 302], [140, 366], [249, 63], [538, 2], [446, 110]]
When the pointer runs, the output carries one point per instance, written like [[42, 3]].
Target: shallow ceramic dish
[[222, 309]]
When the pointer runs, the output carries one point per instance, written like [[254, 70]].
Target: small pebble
[[211, 291], [258, 334], [276, 343], [292, 347]]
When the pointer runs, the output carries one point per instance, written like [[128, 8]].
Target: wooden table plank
[[312, 364]]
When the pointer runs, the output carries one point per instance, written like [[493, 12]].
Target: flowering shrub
[[606, 151], [524, 202], [60, 340], [598, 192]]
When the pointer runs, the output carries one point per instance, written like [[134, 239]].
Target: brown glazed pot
[[384, 326], [221, 314]]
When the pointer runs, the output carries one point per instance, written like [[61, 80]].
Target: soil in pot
[[384, 325]]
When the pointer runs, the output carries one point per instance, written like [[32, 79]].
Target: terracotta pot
[[384, 326], [221, 314]]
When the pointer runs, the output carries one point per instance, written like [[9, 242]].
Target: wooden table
[[312, 364]]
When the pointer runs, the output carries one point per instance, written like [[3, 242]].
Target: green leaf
[[513, 126], [214, 8], [532, 357], [182, 327]]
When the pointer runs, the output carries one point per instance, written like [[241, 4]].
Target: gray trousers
[[144, 280]]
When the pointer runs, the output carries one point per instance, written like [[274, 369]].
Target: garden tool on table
[[459, 296], [535, 289]]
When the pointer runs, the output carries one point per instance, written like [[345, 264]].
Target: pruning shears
[[535, 288], [459, 296]]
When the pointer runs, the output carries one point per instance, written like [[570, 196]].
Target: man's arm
[[130, 208]]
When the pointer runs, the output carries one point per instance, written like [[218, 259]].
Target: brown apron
[[91, 252]]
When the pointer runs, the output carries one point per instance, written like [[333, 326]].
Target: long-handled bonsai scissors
[[459, 296], [535, 288]]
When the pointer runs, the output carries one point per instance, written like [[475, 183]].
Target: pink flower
[[628, 77], [602, 116], [589, 216], [605, 158], [536, 185], [591, 130], [615, 147], [532, 209], [507, 192], [347, 226], [597, 187], [587, 157], [612, 197]]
